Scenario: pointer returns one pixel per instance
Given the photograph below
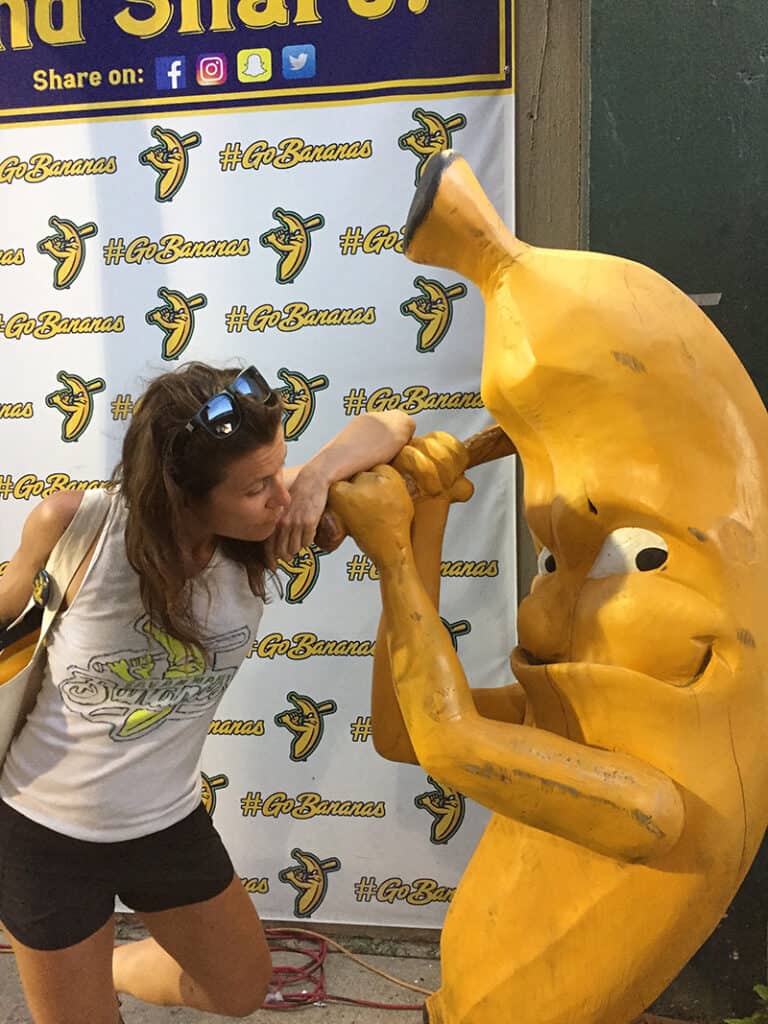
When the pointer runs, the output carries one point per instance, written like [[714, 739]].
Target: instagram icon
[[211, 69]]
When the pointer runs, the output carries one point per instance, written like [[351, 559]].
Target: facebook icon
[[171, 72]]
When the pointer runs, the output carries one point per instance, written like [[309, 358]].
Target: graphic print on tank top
[[136, 691]]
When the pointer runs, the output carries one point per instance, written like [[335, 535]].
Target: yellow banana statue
[[66, 248], [626, 769]]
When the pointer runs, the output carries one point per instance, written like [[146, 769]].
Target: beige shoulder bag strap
[[18, 694]]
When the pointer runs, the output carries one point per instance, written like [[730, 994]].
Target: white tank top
[[112, 748]]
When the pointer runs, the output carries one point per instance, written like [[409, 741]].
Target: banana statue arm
[[609, 802], [390, 735]]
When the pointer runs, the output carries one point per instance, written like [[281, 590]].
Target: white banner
[[133, 241]]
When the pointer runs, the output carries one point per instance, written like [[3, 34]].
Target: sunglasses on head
[[220, 416]]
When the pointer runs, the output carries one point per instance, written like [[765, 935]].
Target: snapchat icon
[[254, 65]]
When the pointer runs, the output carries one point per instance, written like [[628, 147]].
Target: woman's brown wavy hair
[[163, 464]]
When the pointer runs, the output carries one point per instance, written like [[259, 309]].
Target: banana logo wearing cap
[[176, 319], [75, 402], [66, 248], [303, 572], [435, 134], [309, 879], [433, 309], [626, 767], [291, 241], [447, 808], [170, 159], [209, 787], [305, 721], [298, 397]]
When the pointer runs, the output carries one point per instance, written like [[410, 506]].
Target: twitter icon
[[299, 61]]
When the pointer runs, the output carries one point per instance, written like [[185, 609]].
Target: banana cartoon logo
[[66, 248], [291, 241], [456, 629], [170, 159], [303, 573], [433, 310], [210, 785], [298, 400], [447, 808], [309, 879], [135, 691], [435, 134], [176, 319], [75, 402], [305, 721]]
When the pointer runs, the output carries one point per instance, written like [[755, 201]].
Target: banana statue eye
[[546, 562], [629, 549]]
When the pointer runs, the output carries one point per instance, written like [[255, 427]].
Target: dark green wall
[[678, 154], [678, 179]]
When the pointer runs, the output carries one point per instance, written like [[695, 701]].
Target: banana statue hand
[[642, 645]]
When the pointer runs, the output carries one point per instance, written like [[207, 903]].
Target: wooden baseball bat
[[485, 446]]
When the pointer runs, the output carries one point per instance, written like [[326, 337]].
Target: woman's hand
[[297, 526]]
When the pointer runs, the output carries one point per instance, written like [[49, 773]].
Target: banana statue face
[[291, 241], [170, 159], [74, 401], [66, 247], [309, 879], [305, 721], [645, 450], [433, 310], [176, 319]]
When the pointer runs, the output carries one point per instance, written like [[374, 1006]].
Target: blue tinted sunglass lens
[[248, 383], [221, 415]]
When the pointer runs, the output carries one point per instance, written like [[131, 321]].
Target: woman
[[100, 792]]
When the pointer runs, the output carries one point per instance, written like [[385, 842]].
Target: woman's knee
[[243, 1000], [245, 996]]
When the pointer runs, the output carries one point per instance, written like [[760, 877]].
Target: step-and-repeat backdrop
[[228, 181]]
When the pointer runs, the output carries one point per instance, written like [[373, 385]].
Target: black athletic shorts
[[55, 891]]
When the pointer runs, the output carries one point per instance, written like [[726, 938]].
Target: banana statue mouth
[[526, 664]]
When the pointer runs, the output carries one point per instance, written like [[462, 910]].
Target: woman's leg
[[210, 955], [70, 985]]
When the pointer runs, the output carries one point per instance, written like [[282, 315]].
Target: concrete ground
[[342, 975]]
